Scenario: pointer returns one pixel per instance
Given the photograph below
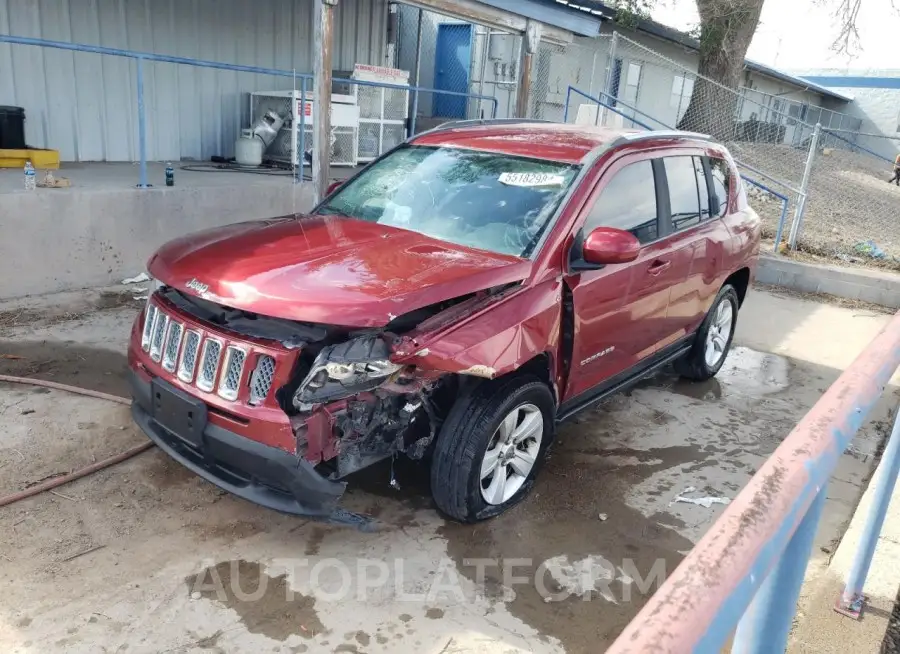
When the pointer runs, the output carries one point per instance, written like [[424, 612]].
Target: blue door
[[452, 61]]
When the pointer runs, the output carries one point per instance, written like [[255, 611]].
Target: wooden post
[[530, 41], [324, 31]]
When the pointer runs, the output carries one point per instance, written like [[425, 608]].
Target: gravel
[[849, 202]]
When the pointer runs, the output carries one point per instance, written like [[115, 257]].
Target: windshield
[[484, 200]]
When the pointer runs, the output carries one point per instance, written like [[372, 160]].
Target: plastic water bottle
[[170, 174], [30, 180]]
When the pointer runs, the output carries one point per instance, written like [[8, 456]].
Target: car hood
[[327, 269]]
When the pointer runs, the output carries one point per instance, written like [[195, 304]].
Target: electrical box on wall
[[499, 46]]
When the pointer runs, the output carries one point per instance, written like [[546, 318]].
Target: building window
[[615, 79], [682, 88], [632, 83]]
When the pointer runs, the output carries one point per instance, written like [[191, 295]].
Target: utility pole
[[531, 39], [323, 25]]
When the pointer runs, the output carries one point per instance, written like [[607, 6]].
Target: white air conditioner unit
[[383, 111]]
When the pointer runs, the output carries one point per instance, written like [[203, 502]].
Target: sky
[[797, 34]]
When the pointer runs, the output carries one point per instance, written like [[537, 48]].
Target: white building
[[876, 102], [653, 71]]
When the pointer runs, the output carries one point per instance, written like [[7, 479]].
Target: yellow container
[[40, 159]]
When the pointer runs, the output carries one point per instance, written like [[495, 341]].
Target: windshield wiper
[[331, 211]]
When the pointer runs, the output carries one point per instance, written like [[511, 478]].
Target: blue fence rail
[[305, 81], [785, 201]]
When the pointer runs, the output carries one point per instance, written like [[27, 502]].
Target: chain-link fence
[[455, 58], [635, 87], [555, 68], [851, 212], [828, 191], [764, 133]]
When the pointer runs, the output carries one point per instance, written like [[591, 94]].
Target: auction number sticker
[[531, 179]]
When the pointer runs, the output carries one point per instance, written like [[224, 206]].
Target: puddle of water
[[745, 372], [265, 605], [559, 530]]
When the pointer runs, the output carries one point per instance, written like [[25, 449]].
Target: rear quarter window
[[723, 180]]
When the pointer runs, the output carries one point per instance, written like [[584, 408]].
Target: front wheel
[[713, 339], [491, 448]]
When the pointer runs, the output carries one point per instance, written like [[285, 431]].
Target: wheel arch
[[740, 281]]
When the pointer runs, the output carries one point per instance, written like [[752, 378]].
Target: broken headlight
[[346, 369]]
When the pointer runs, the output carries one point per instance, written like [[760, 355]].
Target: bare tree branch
[[847, 41]]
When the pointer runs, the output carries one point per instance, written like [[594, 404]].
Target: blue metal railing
[[743, 578], [303, 78], [785, 201]]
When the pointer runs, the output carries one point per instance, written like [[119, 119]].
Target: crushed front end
[[277, 412]]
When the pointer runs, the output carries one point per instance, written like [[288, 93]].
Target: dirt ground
[[146, 557], [850, 202]]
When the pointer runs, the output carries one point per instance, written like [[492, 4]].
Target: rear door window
[[628, 201], [684, 197]]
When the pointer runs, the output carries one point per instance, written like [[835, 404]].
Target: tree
[[725, 31]]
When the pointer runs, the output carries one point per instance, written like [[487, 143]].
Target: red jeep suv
[[454, 300]]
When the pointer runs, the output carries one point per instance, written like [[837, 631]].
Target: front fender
[[494, 341]]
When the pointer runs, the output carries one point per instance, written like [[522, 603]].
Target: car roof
[[542, 140]]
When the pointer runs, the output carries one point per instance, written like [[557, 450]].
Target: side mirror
[[334, 186], [607, 245]]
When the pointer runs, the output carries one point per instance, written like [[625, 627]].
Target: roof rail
[[663, 134], [453, 124]]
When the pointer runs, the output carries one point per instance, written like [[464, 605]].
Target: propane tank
[[248, 149], [266, 128]]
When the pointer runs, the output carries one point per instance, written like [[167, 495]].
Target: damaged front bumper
[[265, 475]]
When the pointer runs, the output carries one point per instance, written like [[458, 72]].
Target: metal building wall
[[85, 104]]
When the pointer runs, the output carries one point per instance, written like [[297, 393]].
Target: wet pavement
[[180, 566]]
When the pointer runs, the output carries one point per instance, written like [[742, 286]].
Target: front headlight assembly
[[346, 369]]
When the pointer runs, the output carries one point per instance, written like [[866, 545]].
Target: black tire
[[464, 438], [693, 365]]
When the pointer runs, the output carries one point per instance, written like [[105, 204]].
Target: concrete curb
[[852, 283]]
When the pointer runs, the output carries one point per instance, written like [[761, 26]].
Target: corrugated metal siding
[[85, 104]]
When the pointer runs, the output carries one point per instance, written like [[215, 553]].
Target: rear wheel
[[491, 448], [713, 340]]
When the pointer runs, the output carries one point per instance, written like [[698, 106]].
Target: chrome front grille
[[261, 379], [173, 342], [160, 323], [189, 356], [207, 361], [232, 370], [149, 316], [209, 364]]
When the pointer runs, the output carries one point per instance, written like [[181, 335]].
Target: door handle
[[658, 266]]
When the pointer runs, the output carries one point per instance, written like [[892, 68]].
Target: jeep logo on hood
[[198, 286]]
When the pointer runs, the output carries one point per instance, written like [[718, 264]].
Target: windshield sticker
[[531, 179]]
